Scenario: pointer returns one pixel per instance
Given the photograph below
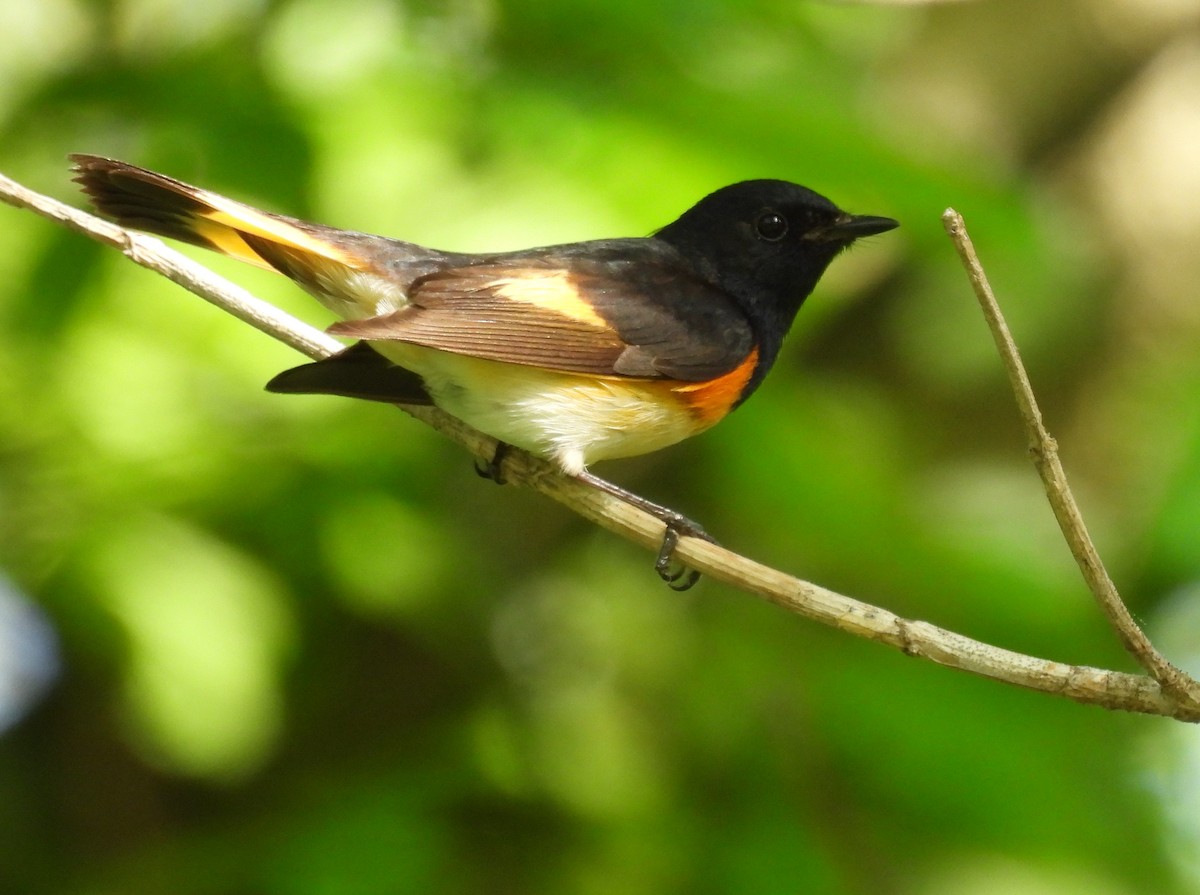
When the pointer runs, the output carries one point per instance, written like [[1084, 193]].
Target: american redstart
[[579, 352]]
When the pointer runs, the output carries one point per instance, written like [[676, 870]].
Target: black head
[[766, 243]]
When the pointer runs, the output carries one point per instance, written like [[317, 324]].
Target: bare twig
[[1044, 451], [1110, 689]]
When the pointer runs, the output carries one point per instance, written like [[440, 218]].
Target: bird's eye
[[771, 226]]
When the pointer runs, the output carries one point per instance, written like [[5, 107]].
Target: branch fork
[[1164, 690]]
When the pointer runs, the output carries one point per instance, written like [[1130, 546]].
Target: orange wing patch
[[709, 401], [552, 292]]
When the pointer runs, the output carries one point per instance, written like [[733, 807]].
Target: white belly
[[572, 419]]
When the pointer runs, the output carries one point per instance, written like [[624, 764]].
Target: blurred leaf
[[306, 650]]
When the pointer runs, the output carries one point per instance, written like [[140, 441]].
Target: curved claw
[[494, 468], [688, 576], [681, 578]]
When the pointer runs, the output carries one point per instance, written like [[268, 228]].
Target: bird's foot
[[678, 576], [493, 469]]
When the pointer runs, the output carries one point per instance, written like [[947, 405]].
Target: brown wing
[[615, 308]]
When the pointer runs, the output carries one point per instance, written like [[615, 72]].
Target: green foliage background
[[306, 651]]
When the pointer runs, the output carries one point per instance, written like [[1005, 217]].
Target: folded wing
[[625, 308]]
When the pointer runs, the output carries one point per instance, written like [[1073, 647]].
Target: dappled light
[[293, 644]]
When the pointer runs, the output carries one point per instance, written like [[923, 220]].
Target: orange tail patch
[[145, 200]]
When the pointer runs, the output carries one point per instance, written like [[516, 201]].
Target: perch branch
[[1109, 689], [1044, 451]]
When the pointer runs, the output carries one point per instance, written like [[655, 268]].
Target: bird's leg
[[678, 525], [494, 468]]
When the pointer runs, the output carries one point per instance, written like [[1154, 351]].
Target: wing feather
[[617, 313]]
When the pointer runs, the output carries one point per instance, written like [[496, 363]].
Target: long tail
[[145, 200], [337, 266]]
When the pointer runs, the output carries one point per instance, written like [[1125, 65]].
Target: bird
[[577, 353]]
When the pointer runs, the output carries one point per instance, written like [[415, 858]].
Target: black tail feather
[[357, 372]]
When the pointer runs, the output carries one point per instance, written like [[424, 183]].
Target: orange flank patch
[[709, 401]]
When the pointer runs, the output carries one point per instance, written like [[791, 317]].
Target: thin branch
[[1109, 689], [1044, 451]]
